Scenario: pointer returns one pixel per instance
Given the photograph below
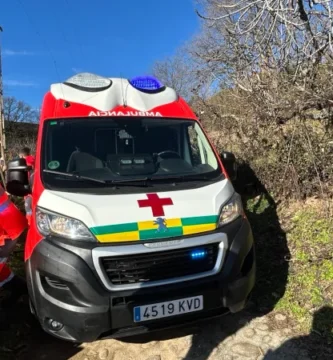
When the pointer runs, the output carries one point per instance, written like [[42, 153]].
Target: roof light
[[146, 83], [88, 82]]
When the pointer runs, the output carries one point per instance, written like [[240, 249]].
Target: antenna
[[122, 91], [2, 120]]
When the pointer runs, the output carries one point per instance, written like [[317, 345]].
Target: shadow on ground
[[24, 339], [316, 345]]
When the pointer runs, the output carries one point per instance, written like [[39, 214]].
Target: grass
[[16, 260], [308, 233], [310, 285]]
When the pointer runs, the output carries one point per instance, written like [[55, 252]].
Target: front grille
[[157, 266]]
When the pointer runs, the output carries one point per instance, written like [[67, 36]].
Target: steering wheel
[[172, 154]]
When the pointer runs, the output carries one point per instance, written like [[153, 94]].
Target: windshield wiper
[[130, 182], [75, 176], [125, 181], [104, 182], [146, 180], [179, 178]]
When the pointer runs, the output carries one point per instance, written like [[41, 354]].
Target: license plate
[[168, 308]]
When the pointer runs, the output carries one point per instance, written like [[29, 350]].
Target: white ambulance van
[[136, 225]]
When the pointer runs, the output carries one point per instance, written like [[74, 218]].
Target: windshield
[[125, 150]]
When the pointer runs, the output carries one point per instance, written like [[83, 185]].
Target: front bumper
[[65, 286]]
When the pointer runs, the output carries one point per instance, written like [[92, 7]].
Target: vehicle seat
[[80, 161]]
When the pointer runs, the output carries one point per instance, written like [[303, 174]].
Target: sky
[[46, 41]]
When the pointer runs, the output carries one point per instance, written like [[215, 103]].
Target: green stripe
[[199, 220], [153, 234], [112, 229]]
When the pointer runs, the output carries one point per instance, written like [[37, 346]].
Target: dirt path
[[229, 338], [248, 336], [213, 341]]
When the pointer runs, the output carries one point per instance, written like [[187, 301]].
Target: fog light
[[54, 325]]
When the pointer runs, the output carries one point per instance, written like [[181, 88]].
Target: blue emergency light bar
[[198, 254], [148, 83]]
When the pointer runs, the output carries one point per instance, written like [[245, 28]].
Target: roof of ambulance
[[94, 95]]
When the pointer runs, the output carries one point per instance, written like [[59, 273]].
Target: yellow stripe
[[146, 225], [124, 236], [194, 229], [149, 225], [173, 222]]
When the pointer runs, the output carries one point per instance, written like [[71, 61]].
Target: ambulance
[[136, 225]]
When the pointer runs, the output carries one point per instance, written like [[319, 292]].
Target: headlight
[[231, 211], [49, 223]]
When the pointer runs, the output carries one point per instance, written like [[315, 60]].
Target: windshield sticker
[[53, 164], [125, 113]]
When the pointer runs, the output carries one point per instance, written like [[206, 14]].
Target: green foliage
[[302, 283], [310, 282], [257, 207]]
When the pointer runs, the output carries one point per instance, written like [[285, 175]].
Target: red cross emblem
[[155, 203]]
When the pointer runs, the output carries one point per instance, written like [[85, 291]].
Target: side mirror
[[230, 164], [17, 183]]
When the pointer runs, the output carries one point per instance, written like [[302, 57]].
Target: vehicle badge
[[161, 225]]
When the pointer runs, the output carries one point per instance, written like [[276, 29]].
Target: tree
[[18, 111], [273, 50], [21, 124], [269, 64], [181, 73]]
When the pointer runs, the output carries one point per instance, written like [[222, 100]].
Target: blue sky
[[48, 41]]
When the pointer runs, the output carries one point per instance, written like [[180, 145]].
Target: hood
[[133, 217]]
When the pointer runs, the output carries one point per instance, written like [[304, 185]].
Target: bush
[[292, 159]]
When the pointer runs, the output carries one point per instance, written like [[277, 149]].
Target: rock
[[280, 317], [267, 339], [246, 350], [249, 333], [103, 354], [122, 355], [155, 357], [262, 327], [91, 353], [224, 357], [148, 344], [287, 331]]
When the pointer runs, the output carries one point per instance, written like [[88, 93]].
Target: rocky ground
[[243, 336], [215, 341]]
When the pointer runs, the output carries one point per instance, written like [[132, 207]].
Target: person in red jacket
[[12, 227], [25, 153]]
